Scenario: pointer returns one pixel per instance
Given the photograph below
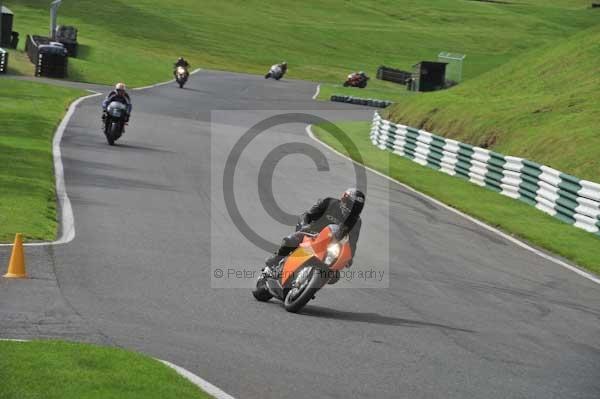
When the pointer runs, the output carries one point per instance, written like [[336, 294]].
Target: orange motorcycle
[[317, 260]]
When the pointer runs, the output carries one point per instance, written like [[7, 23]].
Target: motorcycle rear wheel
[[260, 292]]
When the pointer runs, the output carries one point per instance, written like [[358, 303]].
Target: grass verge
[[541, 106], [19, 64], [55, 369], [137, 41], [511, 216], [29, 115]]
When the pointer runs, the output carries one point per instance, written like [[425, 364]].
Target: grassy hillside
[[542, 106], [136, 40], [29, 115]]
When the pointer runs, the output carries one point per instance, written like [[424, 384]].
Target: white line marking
[[67, 222], [317, 92], [163, 83], [521, 244], [206, 386]]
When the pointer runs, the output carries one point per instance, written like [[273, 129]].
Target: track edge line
[[67, 220], [206, 386], [317, 92], [478, 222], [201, 383]]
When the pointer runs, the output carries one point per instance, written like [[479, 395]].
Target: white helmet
[[120, 86]]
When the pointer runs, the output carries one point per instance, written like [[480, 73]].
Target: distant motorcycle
[[317, 261], [114, 121], [356, 80], [275, 72], [181, 76]]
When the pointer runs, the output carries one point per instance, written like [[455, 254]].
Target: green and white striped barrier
[[565, 197]]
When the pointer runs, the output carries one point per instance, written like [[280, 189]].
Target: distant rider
[[344, 212], [283, 67], [119, 94], [181, 62]]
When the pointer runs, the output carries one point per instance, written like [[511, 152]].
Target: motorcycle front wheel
[[113, 133], [299, 296], [108, 134]]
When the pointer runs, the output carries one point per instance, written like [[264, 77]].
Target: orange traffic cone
[[16, 265]]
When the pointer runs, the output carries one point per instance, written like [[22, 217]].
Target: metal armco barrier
[[52, 65], [31, 49], [3, 60], [393, 75], [361, 101], [565, 197], [48, 59]]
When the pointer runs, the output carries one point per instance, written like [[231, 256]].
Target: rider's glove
[[302, 225], [340, 233]]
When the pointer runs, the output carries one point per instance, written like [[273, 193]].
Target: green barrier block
[[568, 205], [568, 195], [438, 143], [564, 214], [527, 196], [570, 184], [495, 176]]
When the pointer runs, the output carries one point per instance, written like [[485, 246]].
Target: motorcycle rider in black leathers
[[118, 94], [180, 62], [344, 212]]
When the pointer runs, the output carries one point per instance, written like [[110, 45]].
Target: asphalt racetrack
[[442, 308]]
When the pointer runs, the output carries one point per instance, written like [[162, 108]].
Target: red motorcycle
[[356, 79]]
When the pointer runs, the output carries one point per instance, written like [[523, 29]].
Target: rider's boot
[[273, 267]]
